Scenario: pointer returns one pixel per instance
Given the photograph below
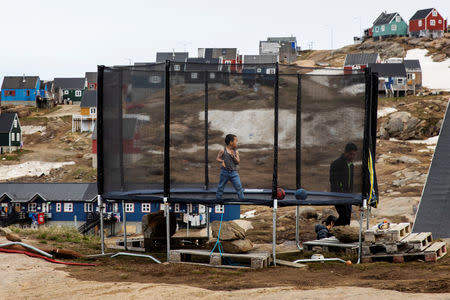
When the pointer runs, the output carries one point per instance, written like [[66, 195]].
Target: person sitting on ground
[[323, 231]]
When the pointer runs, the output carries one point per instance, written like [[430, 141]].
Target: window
[[17, 136], [201, 209], [93, 110], [377, 29], [10, 93], [15, 123], [382, 28], [434, 13], [115, 207], [13, 137], [420, 23], [92, 86], [219, 209], [194, 75], [400, 81], [161, 206], [146, 207], [411, 76], [155, 79], [68, 207], [32, 207], [129, 207], [189, 208], [270, 71], [212, 75], [88, 207], [176, 67], [77, 93], [432, 22], [45, 207], [66, 92], [28, 93], [177, 207], [440, 21], [398, 19], [258, 70], [58, 207], [394, 27]]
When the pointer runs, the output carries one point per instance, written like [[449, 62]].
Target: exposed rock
[[4, 231], [234, 247], [404, 160], [346, 234], [401, 125], [154, 226], [227, 95], [229, 231], [326, 212], [13, 237], [309, 213]]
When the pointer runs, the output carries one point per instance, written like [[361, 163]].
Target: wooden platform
[[142, 245], [394, 233], [332, 246], [203, 257]]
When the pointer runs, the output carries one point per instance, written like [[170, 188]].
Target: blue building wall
[[21, 94]]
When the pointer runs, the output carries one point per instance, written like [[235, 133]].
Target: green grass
[[15, 155]]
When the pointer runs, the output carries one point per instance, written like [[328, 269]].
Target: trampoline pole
[[297, 228], [274, 231], [167, 210], [124, 226], [361, 217], [368, 216], [102, 235], [207, 222]]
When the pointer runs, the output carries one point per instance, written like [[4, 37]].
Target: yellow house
[[85, 121]]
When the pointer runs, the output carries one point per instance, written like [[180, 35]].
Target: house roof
[[389, 70], [91, 76], [20, 82], [412, 64], [24, 192], [202, 64], [360, 59], [70, 83], [288, 39], [260, 59], [421, 14], [172, 56], [384, 19], [225, 53], [89, 99], [6, 120]]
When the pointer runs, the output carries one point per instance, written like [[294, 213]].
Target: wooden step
[[331, 246], [420, 241], [435, 251], [394, 233]]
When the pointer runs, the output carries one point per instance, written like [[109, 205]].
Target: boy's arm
[[219, 158], [236, 157]]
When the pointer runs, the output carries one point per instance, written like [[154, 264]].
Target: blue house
[[22, 90]]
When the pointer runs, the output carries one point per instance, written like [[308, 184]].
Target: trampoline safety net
[[161, 127]]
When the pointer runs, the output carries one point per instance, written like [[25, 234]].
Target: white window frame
[[177, 207], [194, 75], [394, 27], [17, 136], [258, 70], [201, 209], [155, 79], [398, 19], [146, 207], [432, 22], [176, 67], [45, 207], [377, 29], [15, 123], [161, 206], [400, 81], [77, 93], [420, 23], [58, 207], [93, 110], [66, 92], [88, 207], [189, 208], [13, 137], [68, 207], [32, 207], [383, 28], [115, 207], [439, 21], [219, 209], [212, 75], [129, 207], [434, 13]]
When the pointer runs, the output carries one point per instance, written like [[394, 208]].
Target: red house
[[427, 23]]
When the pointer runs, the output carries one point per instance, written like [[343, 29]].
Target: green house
[[389, 25], [10, 132], [72, 88]]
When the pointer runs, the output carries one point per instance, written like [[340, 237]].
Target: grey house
[[392, 78], [359, 61], [413, 73], [72, 88], [10, 132], [284, 47], [178, 59]]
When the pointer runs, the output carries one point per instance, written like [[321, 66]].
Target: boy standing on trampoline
[[229, 159]]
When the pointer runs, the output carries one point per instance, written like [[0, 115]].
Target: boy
[[323, 231], [229, 159]]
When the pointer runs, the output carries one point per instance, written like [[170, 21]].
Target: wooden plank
[[290, 264], [435, 247], [420, 237], [330, 244], [409, 237], [231, 255], [210, 266]]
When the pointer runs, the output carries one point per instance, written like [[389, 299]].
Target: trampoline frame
[[369, 142]]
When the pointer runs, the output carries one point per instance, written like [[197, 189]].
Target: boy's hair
[[229, 138], [350, 147], [330, 219]]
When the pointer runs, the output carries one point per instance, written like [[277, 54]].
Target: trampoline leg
[[361, 217], [167, 211], [207, 222], [297, 228], [124, 226], [187, 225], [274, 231], [102, 236], [368, 217]]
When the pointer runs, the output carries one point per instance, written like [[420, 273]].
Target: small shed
[[10, 132]]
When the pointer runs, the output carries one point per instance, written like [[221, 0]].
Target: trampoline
[[160, 128]]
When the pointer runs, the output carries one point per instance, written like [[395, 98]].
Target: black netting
[[320, 111]]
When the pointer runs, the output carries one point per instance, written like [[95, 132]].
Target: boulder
[[401, 125], [309, 213], [4, 231], [404, 160], [154, 226], [228, 232], [13, 237], [234, 247], [346, 234]]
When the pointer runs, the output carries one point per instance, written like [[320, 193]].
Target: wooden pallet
[[420, 241], [249, 260], [394, 233], [413, 242], [431, 254], [332, 246]]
